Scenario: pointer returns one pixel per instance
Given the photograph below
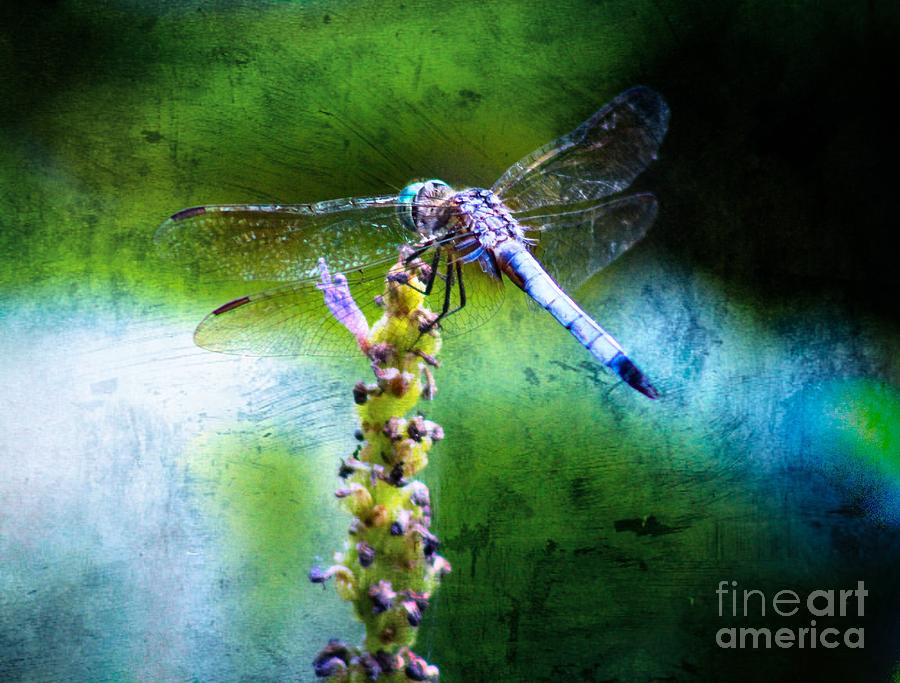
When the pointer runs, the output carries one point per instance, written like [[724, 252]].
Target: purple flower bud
[[392, 428], [382, 596], [414, 606], [340, 302], [430, 542], [381, 353], [417, 669], [386, 374], [332, 658], [338, 647], [371, 666], [395, 478], [420, 495], [431, 360], [318, 575], [421, 599], [388, 662], [401, 278], [429, 391], [366, 553], [401, 523], [329, 667], [440, 566], [416, 428], [428, 323], [360, 393], [413, 613], [359, 500], [351, 465]]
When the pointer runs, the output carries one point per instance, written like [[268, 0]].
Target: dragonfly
[[553, 211]]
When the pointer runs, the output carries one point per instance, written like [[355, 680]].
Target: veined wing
[[283, 241], [574, 245], [599, 158], [294, 320], [484, 296]]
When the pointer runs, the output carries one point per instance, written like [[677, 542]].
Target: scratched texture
[[159, 505]]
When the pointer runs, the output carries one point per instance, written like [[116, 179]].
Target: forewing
[[599, 158], [291, 320], [575, 245], [282, 242], [294, 320]]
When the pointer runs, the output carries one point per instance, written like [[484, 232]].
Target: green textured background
[[159, 505]]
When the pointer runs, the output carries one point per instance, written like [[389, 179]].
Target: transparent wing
[[294, 320], [574, 245], [291, 320], [484, 295], [599, 158], [283, 242]]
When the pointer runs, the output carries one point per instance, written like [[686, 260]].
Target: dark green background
[[159, 505]]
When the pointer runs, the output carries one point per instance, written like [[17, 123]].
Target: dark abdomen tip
[[623, 366], [188, 213]]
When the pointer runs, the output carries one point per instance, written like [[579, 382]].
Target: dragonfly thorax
[[481, 213], [433, 209]]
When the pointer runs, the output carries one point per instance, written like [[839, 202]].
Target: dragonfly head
[[421, 205]]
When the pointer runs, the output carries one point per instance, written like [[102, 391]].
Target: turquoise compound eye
[[406, 201]]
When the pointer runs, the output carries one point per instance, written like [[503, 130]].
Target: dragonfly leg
[[453, 276], [448, 290], [416, 253], [447, 311], [462, 288], [433, 274]]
